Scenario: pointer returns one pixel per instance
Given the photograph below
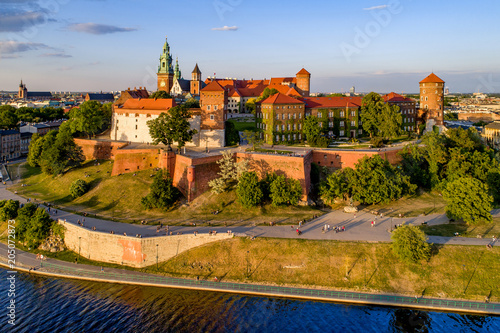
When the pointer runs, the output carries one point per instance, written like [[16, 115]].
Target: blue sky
[[375, 45]]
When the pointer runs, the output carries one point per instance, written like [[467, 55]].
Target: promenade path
[[357, 227]]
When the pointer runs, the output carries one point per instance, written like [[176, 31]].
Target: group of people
[[40, 256]]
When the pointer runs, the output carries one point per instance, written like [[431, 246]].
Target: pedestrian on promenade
[[373, 222]]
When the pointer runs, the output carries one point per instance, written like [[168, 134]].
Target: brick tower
[[165, 69], [195, 81], [432, 100], [304, 82]]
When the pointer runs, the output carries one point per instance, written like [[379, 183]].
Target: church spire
[[166, 60], [177, 73]]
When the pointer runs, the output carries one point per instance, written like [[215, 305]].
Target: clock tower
[[165, 69]]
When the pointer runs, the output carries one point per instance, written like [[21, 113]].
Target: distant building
[[165, 73], [407, 108], [352, 91], [41, 128], [492, 134], [32, 95], [9, 145], [136, 93], [25, 143], [102, 98]]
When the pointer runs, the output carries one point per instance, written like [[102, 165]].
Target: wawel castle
[[279, 117]]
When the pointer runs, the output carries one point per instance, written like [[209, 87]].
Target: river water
[[61, 305]]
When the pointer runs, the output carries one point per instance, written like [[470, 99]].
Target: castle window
[[341, 124], [212, 117], [294, 127], [353, 113], [277, 128], [288, 126], [330, 114], [294, 116], [277, 138], [277, 117], [300, 115], [289, 116], [341, 133], [283, 116], [353, 123], [208, 107], [300, 136], [342, 114], [135, 126], [360, 131], [330, 124], [215, 107], [282, 128], [424, 91], [319, 115], [283, 137], [300, 127]]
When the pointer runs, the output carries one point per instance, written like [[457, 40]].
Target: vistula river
[[61, 305]]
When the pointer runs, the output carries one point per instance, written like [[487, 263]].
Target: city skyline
[[92, 45]]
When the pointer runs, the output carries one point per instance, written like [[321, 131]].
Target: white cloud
[[226, 28], [97, 29], [11, 47], [376, 7]]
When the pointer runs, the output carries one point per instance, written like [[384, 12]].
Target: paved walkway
[[357, 227]]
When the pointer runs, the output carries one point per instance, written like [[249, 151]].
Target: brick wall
[[102, 150], [131, 160], [348, 159], [131, 251]]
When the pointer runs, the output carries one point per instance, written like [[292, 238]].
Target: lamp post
[[365, 272], [391, 222], [248, 265], [156, 256], [79, 246]]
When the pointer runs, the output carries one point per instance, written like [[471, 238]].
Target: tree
[[35, 150], [163, 194], [468, 199], [39, 228], [337, 185], [160, 94], [78, 188], [436, 156], [390, 121], [252, 138], [230, 171], [409, 244], [371, 107], [192, 103], [285, 191], [250, 105], [248, 190], [89, 118], [171, 127], [8, 209], [59, 151], [23, 220], [414, 165], [231, 133], [311, 129], [267, 93], [8, 119], [376, 181]]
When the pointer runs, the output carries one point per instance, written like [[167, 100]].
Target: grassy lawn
[[423, 204], [448, 230], [342, 265], [243, 125], [118, 198]]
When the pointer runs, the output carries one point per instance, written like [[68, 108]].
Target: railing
[[287, 291]]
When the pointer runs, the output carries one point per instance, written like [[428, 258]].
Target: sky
[[374, 45]]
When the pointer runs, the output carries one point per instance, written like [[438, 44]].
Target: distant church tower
[[23, 92], [195, 81], [432, 100], [177, 72], [303, 78], [165, 69]]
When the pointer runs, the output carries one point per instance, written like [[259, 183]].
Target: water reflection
[[58, 305]]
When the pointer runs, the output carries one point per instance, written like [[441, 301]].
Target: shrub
[[78, 188], [377, 142], [410, 244], [248, 190]]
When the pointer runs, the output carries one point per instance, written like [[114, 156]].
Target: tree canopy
[[90, 118], [248, 190], [163, 194], [229, 172], [171, 127], [409, 244], [380, 118], [285, 191], [468, 199], [160, 94]]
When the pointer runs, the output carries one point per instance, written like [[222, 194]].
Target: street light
[[79, 246], [156, 256], [248, 265], [365, 272]]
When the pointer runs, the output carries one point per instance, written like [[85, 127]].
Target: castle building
[[280, 117], [407, 108], [432, 101], [165, 73], [213, 104]]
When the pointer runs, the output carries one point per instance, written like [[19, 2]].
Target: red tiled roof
[[233, 92], [149, 104], [280, 98], [393, 97], [286, 90], [213, 86], [252, 91], [303, 71], [332, 102], [433, 78], [281, 80]]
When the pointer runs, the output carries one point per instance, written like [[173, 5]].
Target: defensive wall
[[192, 174], [131, 251]]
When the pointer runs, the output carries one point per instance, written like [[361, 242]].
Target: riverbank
[[56, 269], [27, 262]]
